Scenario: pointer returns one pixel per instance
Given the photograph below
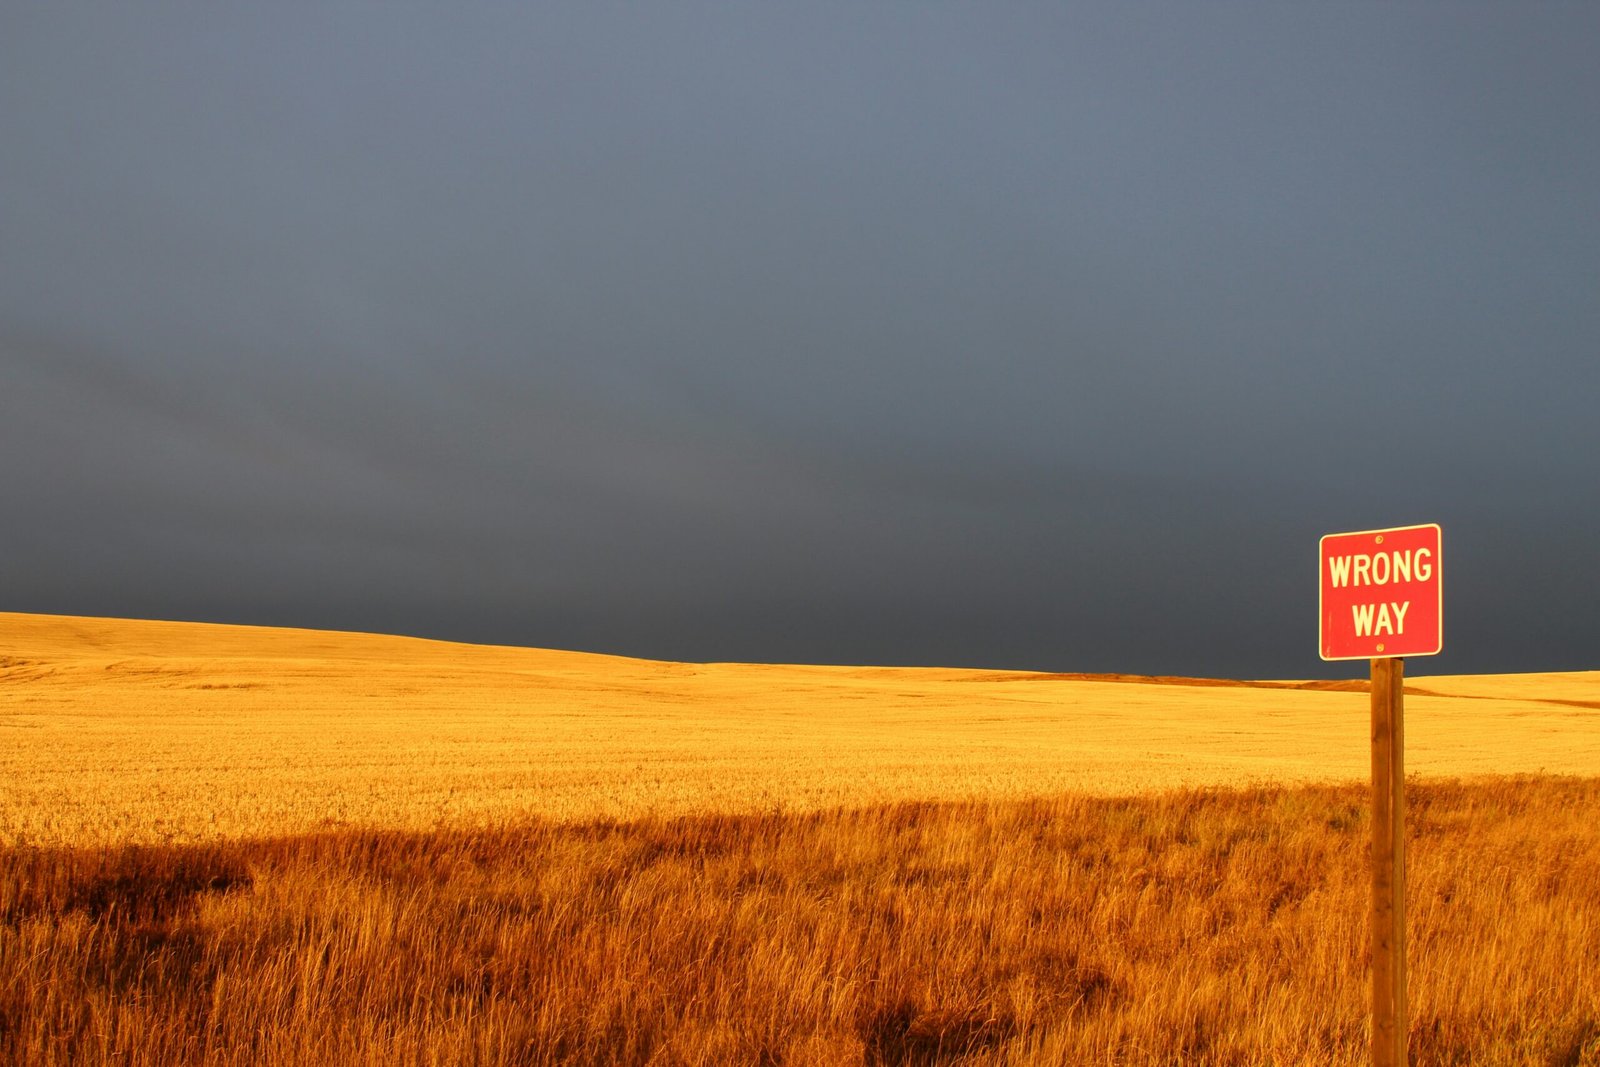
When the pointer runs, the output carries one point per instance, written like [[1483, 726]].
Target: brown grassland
[[233, 846], [1223, 927]]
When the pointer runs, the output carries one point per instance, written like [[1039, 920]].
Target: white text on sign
[[1381, 568], [1373, 620]]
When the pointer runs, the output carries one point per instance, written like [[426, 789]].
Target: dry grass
[[1197, 927], [119, 731], [231, 845]]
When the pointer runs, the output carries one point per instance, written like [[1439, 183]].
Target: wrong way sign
[[1381, 593]]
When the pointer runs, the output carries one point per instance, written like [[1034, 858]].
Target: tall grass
[[1202, 927]]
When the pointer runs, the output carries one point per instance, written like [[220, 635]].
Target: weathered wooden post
[[1388, 864]]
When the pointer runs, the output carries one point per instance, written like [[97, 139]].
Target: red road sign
[[1381, 593]]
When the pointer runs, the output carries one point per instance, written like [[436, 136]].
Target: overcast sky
[[1040, 336]]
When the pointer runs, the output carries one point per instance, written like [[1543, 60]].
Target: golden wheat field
[[117, 731], [235, 845]]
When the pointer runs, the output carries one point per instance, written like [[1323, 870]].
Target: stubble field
[[235, 845]]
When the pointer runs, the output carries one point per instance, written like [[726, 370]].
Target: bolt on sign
[[1381, 594]]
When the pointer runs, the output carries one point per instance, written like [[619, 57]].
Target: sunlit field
[[224, 845], [116, 731]]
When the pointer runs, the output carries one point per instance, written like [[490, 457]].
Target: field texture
[[119, 731], [1188, 928], [230, 846]]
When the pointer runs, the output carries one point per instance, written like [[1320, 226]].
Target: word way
[[1374, 620]]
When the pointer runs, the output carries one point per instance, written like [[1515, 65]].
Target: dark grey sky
[[1017, 336]]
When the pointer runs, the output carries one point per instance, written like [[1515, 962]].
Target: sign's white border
[[1321, 618]]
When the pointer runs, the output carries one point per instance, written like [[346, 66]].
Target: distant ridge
[[162, 637]]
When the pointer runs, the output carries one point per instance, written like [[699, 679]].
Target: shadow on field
[[133, 884], [1219, 927]]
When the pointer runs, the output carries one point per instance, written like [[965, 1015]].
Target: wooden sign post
[[1381, 599], [1388, 863]]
